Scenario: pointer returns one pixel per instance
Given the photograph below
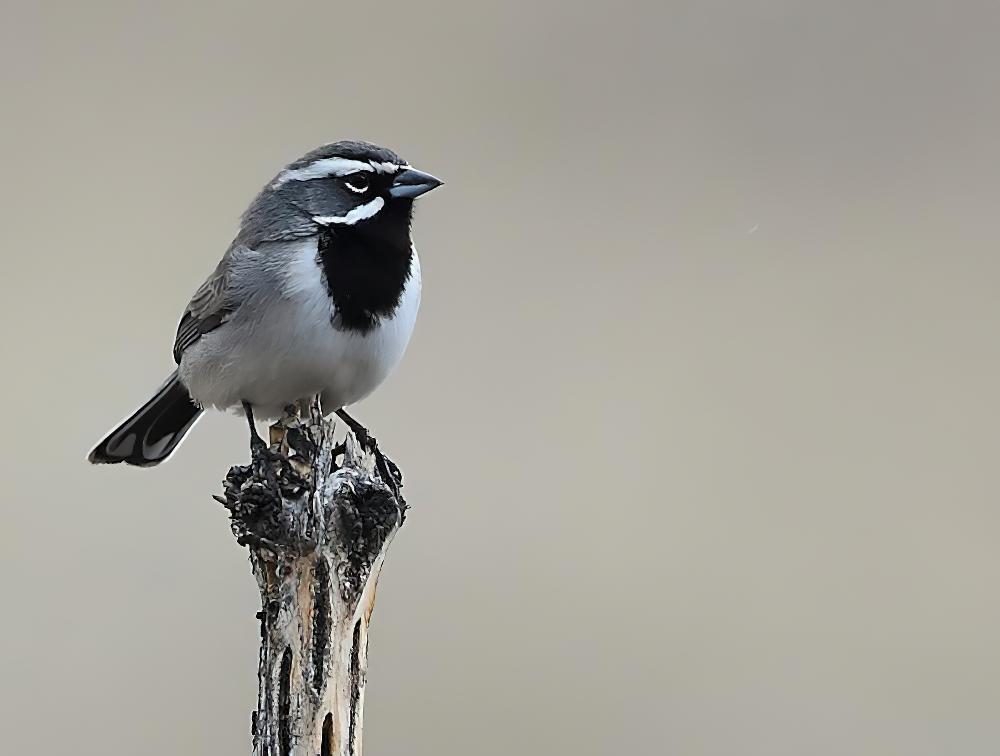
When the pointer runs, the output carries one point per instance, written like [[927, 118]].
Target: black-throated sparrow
[[317, 294]]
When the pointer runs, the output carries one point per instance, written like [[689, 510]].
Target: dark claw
[[368, 443], [257, 446], [385, 467]]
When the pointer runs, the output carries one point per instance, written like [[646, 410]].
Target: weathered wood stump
[[318, 519]]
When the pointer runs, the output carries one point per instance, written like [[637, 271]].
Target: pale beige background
[[699, 422]]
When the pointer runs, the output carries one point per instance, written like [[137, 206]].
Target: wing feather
[[208, 308]]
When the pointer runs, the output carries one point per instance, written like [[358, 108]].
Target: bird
[[316, 295]]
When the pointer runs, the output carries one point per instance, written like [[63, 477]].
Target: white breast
[[287, 349]]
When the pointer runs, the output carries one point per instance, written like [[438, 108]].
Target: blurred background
[[699, 423]]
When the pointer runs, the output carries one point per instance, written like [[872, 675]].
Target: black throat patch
[[366, 271]]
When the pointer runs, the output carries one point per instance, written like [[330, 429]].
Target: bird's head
[[344, 185]]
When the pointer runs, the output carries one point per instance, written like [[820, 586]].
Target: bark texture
[[317, 519]]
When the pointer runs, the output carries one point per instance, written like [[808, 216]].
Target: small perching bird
[[317, 295]]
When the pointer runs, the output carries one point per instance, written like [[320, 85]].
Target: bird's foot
[[386, 468], [263, 461], [364, 438], [387, 471], [258, 447]]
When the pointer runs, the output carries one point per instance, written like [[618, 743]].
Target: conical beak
[[411, 183]]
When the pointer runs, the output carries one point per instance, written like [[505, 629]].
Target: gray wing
[[209, 307], [270, 219]]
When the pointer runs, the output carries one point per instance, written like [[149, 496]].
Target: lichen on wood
[[318, 519]]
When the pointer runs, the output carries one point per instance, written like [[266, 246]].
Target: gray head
[[356, 185]]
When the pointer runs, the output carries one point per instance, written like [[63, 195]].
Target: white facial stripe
[[359, 213], [334, 166], [322, 169]]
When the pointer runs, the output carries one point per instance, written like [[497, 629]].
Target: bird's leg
[[257, 444], [387, 469], [260, 452], [360, 432]]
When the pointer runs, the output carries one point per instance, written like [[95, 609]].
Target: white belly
[[290, 350]]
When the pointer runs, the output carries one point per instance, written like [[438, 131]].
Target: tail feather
[[151, 434]]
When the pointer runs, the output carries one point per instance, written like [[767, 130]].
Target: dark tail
[[153, 432]]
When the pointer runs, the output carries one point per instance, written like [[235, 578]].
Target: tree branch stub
[[318, 520]]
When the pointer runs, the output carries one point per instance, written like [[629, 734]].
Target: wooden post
[[318, 520]]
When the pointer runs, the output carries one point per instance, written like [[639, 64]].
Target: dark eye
[[357, 182]]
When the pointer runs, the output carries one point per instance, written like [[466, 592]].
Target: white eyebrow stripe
[[361, 212], [388, 167], [323, 168], [334, 166]]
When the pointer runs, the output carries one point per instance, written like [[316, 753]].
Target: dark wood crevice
[[285, 703], [355, 706], [321, 622], [326, 747]]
